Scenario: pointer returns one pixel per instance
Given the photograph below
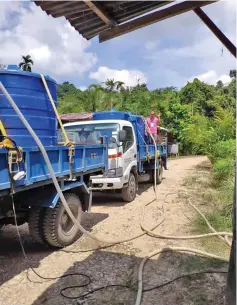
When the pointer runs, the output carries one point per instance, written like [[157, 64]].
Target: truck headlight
[[115, 172]]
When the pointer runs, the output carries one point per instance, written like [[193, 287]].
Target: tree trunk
[[231, 279]]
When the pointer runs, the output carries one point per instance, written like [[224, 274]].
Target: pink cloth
[[153, 124]]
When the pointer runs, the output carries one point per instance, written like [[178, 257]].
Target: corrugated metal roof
[[84, 16], [77, 116]]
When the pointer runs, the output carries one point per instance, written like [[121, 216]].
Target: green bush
[[222, 150], [223, 169]]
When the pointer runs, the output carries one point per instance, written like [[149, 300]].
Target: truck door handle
[[135, 156]]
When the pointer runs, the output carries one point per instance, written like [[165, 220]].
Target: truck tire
[[129, 192], [159, 175], [59, 229], [35, 223]]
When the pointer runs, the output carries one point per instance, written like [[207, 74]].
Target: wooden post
[[231, 279]]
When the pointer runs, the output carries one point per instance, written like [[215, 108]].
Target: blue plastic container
[[28, 92]]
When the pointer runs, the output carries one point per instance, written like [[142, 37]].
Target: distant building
[[73, 117]]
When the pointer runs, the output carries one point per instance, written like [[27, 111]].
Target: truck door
[[129, 151]]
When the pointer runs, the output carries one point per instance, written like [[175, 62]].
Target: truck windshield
[[90, 134]]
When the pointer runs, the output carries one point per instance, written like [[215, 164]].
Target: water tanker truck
[[27, 191]]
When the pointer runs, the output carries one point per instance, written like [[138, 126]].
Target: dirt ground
[[111, 218]]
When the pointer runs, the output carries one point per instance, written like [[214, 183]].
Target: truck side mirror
[[122, 135]]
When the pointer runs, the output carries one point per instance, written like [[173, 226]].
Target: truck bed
[[143, 149], [87, 159]]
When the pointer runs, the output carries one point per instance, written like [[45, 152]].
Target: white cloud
[[42, 53], [225, 79], [56, 48], [151, 45], [82, 88], [129, 77], [187, 47], [211, 77]]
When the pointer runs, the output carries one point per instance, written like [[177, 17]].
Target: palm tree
[[112, 85], [119, 85], [95, 96], [26, 63]]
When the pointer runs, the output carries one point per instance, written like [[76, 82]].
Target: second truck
[[131, 151]]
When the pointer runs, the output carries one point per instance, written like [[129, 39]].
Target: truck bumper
[[102, 183]]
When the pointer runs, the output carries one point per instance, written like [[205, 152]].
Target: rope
[[78, 225], [2, 129], [168, 249], [155, 146], [6, 141], [67, 143], [148, 156], [215, 233]]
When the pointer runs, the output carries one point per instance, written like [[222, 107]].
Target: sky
[[168, 53]]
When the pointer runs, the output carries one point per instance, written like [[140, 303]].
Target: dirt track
[[116, 265]]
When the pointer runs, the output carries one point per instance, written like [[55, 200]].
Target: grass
[[196, 263], [215, 200]]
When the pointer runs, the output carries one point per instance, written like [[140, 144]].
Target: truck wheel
[[59, 229], [159, 175], [35, 223], [129, 192]]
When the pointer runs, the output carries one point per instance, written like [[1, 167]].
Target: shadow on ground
[[113, 198], [11, 257], [106, 268], [108, 198]]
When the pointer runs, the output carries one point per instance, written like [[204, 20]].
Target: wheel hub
[[132, 185]]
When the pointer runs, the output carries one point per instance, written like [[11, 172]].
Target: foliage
[[199, 115], [223, 169], [223, 149], [112, 85], [26, 63], [233, 73]]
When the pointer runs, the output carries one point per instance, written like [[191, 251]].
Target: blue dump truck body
[[24, 177], [145, 147], [86, 159]]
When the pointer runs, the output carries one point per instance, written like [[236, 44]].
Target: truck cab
[[131, 153]]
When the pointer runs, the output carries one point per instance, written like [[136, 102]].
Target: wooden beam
[[96, 8], [216, 31], [151, 18]]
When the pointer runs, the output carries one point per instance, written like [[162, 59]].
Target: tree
[[119, 85], [112, 85], [197, 94], [26, 63], [219, 84], [67, 88], [233, 73], [141, 87], [95, 97]]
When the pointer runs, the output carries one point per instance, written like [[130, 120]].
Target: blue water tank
[[113, 114], [28, 92]]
